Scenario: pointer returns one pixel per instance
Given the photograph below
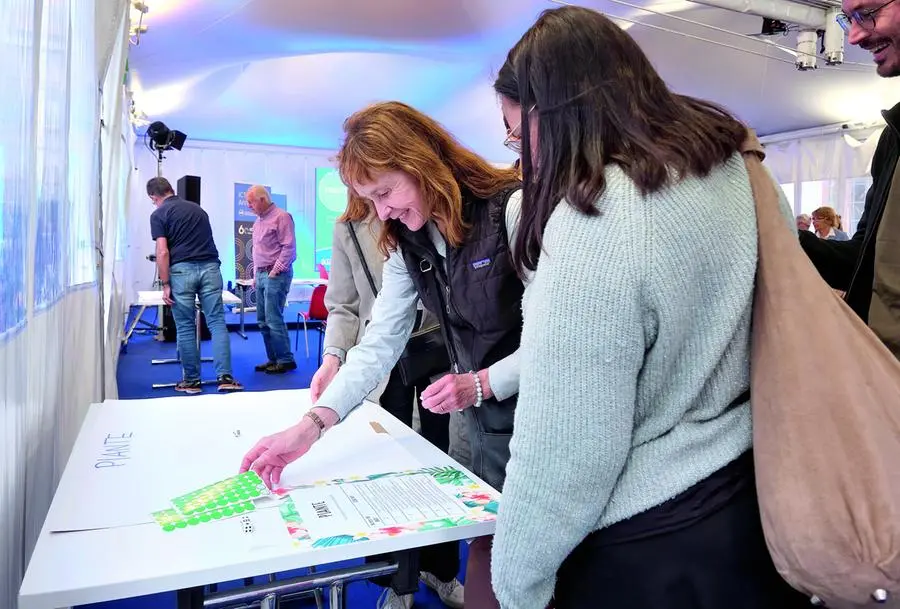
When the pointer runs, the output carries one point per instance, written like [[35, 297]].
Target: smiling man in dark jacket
[[867, 267]]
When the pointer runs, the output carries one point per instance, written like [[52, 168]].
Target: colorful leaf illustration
[[448, 475], [337, 540], [377, 476]]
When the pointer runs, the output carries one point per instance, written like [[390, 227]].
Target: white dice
[[246, 524]]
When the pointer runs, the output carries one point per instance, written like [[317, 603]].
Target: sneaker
[[451, 593], [226, 382], [263, 367], [391, 600], [189, 387], [281, 368]]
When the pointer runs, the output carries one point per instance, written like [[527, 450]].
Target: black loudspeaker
[[169, 333], [189, 188]]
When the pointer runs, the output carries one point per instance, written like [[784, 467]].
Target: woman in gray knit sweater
[[630, 483]]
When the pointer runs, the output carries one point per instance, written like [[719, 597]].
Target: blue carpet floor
[[135, 377]]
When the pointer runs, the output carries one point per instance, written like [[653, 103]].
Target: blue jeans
[[271, 296], [202, 280]]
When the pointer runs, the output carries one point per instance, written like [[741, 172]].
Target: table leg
[[334, 580], [336, 594], [178, 359], [160, 316], [134, 324], [190, 598], [241, 332], [202, 359], [317, 593], [167, 360]]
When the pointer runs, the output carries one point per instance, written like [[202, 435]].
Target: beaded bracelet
[[479, 392]]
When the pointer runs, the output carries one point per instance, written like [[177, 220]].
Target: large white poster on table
[[141, 453]]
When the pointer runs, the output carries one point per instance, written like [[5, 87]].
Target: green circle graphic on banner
[[331, 192]]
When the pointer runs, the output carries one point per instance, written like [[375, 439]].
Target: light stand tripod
[[159, 158], [160, 309], [157, 284]]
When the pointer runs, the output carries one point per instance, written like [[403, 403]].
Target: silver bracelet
[[479, 392]]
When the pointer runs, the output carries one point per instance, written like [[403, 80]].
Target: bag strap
[[752, 145], [362, 258]]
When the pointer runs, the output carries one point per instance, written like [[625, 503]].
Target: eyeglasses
[[865, 19], [513, 140]]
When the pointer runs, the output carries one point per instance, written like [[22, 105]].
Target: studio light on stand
[[160, 138]]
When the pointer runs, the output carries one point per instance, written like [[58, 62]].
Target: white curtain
[[51, 334], [18, 36], [117, 146], [829, 170]]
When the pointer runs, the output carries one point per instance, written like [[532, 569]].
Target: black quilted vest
[[480, 303]]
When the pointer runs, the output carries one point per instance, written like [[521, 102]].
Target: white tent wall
[[288, 171], [116, 153], [50, 322], [825, 170]]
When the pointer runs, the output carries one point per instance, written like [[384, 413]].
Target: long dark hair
[[598, 101]]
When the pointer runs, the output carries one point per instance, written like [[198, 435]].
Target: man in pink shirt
[[274, 251]]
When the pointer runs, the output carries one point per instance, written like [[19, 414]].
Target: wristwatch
[[164, 283], [317, 420]]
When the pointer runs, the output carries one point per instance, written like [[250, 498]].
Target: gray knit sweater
[[635, 345]]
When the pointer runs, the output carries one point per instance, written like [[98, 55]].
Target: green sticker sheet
[[229, 494], [225, 499]]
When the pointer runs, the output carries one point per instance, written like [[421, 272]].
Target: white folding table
[[113, 550], [152, 298], [298, 293]]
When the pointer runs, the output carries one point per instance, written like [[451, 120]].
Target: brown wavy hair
[[392, 136], [357, 209]]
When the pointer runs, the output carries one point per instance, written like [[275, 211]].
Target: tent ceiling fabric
[[289, 71]]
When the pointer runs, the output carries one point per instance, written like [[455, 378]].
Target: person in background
[[825, 221], [349, 300], [448, 217], [274, 252], [803, 222], [630, 482], [188, 264], [867, 267]]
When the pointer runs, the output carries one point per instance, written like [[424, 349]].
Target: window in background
[[816, 194], [121, 229], [83, 135], [52, 156], [857, 188], [789, 193], [16, 166]]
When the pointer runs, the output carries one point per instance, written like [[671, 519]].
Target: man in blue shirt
[[188, 263]]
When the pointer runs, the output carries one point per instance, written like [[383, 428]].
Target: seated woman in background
[[355, 280], [630, 483], [827, 225], [448, 216]]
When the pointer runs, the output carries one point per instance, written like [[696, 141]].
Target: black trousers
[[442, 560], [399, 400], [718, 562]]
